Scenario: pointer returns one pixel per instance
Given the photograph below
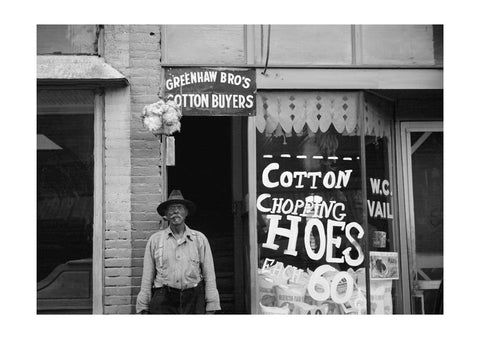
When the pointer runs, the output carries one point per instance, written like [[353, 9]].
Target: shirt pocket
[[193, 271]]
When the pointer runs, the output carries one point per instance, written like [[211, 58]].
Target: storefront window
[[382, 246], [324, 215], [64, 179], [311, 238]]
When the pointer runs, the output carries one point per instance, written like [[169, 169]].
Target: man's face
[[176, 214]]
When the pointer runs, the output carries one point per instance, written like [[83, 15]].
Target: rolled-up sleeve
[[145, 294], [212, 298]]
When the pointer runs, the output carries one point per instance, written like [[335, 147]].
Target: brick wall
[[132, 156], [117, 240], [145, 80]]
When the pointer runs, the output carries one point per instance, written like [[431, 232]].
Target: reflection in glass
[[384, 260], [384, 263], [64, 178], [427, 182]]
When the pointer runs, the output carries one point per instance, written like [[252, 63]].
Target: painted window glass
[[311, 241], [382, 231]]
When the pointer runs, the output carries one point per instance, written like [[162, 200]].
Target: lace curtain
[[283, 113]]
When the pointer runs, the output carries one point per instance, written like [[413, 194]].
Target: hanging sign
[[212, 91]]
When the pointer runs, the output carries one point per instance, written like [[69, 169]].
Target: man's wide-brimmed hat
[[176, 197]]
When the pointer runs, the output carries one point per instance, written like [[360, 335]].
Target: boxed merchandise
[[304, 308], [289, 295], [273, 310], [266, 294]]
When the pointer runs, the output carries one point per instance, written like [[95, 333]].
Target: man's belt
[[177, 290]]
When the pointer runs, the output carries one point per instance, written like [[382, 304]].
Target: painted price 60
[[330, 289]]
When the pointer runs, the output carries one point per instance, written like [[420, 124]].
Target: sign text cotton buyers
[[212, 91]]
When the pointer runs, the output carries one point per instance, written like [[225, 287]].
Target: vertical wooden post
[[162, 139], [249, 44], [393, 175], [163, 171], [237, 194], [400, 150], [363, 171], [357, 44], [252, 181], [98, 227], [252, 213]]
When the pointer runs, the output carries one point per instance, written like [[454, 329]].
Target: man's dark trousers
[[167, 300]]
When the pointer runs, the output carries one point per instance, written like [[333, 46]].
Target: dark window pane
[[64, 178], [427, 184]]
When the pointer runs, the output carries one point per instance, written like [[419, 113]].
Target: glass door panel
[[424, 149], [427, 180]]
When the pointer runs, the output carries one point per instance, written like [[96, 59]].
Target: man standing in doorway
[[178, 270]]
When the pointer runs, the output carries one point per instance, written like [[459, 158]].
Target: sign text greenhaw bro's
[[212, 91]]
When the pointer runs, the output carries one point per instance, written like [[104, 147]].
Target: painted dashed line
[[269, 156]]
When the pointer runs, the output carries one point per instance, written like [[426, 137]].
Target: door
[[208, 169], [422, 154]]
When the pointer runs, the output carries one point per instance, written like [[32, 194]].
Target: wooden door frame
[[239, 165], [407, 216], [252, 212], [98, 203]]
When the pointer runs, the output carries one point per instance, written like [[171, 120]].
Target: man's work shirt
[[178, 263]]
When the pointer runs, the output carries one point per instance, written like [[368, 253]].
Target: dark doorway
[[208, 172]]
